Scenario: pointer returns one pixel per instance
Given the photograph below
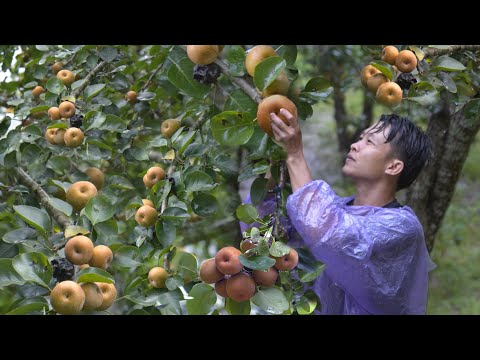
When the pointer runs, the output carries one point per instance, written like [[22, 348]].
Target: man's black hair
[[409, 143]]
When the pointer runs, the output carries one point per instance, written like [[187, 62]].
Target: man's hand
[[289, 137]]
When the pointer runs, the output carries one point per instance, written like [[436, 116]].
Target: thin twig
[[156, 71], [91, 75]]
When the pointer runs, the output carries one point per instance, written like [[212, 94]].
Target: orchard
[[120, 167]]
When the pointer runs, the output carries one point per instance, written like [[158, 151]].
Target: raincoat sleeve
[[370, 252]]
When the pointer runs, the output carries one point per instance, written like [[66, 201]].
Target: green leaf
[[108, 53], [247, 213], [419, 53], [232, 127], [8, 275], [93, 90], [57, 125], [204, 298], [175, 213], [237, 100], [20, 235], [235, 56], [257, 262], [204, 204], [306, 305], [261, 167], [196, 150], [312, 273], [128, 257], [59, 164], [288, 52], [61, 205], [93, 274], [180, 74], [318, 88], [166, 232], [237, 308], [198, 181], [93, 120], [279, 249], [39, 108], [73, 230], [120, 182], [446, 63], [448, 82], [146, 96], [99, 208], [42, 47], [77, 84], [272, 300], [31, 133], [384, 67], [184, 141], [55, 86], [34, 217], [267, 71], [33, 266], [423, 92], [258, 190], [29, 305], [185, 264], [114, 123]]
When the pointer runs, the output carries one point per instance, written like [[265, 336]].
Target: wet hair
[[409, 144]]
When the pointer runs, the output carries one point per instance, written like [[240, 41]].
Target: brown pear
[[93, 296], [102, 257], [240, 287], [256, 55], [288, 261], [209, 273], [273, 104], [79, 250], [67, 298], [109, 293], [79, 193], [227, 260]]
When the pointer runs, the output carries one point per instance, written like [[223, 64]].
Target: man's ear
[[394, 167]]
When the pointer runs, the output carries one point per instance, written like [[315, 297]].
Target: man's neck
[[374, 194]]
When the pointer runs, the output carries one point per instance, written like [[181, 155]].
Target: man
[[373, 247]]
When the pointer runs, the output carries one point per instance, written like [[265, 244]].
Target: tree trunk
[[430, 195], [340, 114]]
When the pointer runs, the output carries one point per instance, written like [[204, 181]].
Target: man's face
[[369, 156]]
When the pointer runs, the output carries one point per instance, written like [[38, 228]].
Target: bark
[[430, 195]]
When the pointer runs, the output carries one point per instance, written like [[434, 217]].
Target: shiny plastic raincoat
[[376, 261]]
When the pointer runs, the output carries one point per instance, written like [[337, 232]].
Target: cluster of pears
[[147, 215], [274, 95], [388, 92], [234, 281], [71, 137], [69, 297]]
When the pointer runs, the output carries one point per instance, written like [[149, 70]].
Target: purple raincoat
[[376, 259]]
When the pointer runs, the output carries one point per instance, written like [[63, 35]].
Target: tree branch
[[241, 83], [89, 78], [450, 50], [157, 70], [61, 219]]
